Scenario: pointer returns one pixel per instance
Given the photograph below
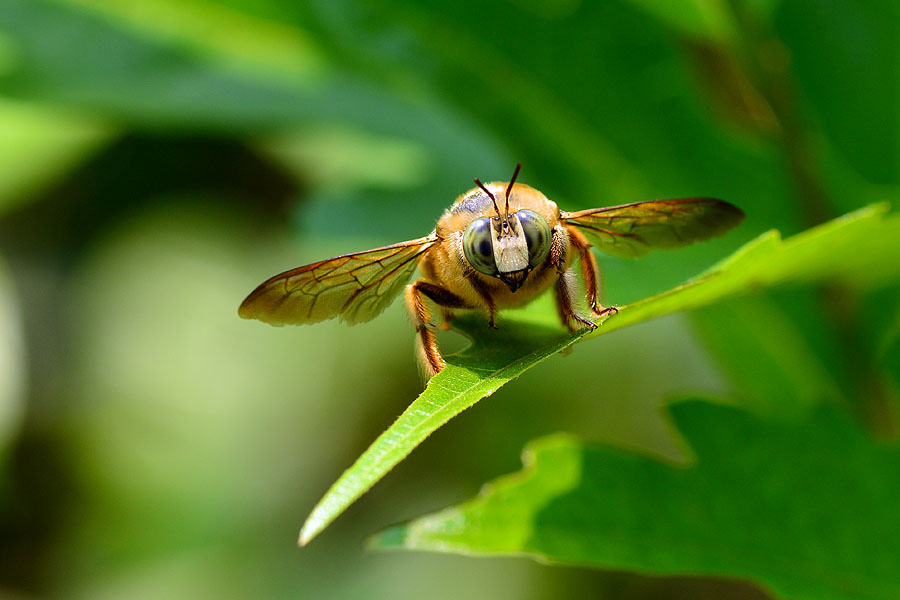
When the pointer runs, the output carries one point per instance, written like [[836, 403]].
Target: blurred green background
[[159, 159]]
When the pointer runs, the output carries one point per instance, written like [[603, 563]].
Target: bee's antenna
[[509, 187], [488, 192]]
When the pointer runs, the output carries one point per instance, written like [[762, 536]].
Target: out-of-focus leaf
[[878, 358], [150, 76], [59, 140], [808, 512], [889, 357], [694, 18], [83, 59], [765, 354], [860, 249], [585, 139], [12, 360], [340, 157], [844, 56], [220, 33]]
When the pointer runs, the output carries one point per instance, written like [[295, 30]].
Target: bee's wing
[[632, 230], [355, 287]]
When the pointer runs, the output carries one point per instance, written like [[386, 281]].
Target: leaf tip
[[304, 538], [311, 528]]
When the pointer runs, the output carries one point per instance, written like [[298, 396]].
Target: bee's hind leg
[[426, 342]]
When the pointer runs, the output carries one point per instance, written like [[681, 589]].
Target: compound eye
[[478, 247], [537, 236]]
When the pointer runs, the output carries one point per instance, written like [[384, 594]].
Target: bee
[[480, 257]]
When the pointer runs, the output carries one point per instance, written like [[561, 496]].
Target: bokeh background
[[158, 159]]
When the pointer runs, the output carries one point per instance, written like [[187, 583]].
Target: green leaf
[[189, 68], [60, 140], [583, 141], [860, 249], [810, 512], [230, 37], [12, 362], [147, 69], [493, 358], [694, 18], [851, 45]]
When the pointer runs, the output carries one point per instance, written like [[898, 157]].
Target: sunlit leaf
[[860, 249]]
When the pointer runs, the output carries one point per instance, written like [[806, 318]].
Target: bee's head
[[507, 246]]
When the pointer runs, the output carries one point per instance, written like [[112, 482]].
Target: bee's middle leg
[[426, 342]]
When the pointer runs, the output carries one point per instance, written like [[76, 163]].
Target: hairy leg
[[559, 249], [565, 303], [565, 282], [426, 342], [590, 271]]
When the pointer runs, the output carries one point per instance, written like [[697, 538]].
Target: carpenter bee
[[480, 257]]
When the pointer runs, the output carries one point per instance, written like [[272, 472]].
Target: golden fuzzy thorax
[[447, 266]]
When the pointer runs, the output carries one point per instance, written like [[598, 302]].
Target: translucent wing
[[632, 230], [355, 287]]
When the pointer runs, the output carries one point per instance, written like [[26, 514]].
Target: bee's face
[[507, 247], [499, 230]]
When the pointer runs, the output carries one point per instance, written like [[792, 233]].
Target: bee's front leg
[[426, 342], [590, 271], [565, 286], [565, 303]]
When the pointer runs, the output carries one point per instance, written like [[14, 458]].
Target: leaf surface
[[860, 249]]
